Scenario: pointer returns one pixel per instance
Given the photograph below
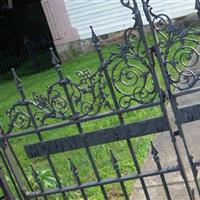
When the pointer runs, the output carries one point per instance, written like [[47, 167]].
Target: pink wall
[[59, 22]]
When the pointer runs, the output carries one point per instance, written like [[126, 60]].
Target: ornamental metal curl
[[179, 63], [18, 117], [131, 73], [53, 105], [88, 95], [127, 81], [127, 4], [133, 81]]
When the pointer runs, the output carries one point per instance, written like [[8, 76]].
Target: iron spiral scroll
[[129, 72], [180, 64]]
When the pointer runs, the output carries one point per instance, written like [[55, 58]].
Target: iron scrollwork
[[18, 117], [132, 81], [126, 78], [179, 63], [132, 75], [88, 95]]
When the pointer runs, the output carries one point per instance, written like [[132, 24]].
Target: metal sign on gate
[[133, 66]]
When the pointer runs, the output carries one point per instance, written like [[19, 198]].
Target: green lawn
[[39, 82]]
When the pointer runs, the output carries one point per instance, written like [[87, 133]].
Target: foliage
[[46, 178]]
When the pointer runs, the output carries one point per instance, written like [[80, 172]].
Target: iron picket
[[71, 109]]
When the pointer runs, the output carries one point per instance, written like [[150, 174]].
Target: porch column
[[59, 24]]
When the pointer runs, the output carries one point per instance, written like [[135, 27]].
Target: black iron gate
[[130, 77]]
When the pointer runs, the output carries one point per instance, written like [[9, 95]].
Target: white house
[[69, 20]]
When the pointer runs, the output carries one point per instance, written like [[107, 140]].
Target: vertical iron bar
[[177, 151], [76, 176], [4, 186], [8, 146], [172, 101], [63, 83], [19, 165], [117, 170], [7, 158], [103, 63], [156, 158], [150, 58], [11, 176], [21, 187], [32, 118], [38, 181]]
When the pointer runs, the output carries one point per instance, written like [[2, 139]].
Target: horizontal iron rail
[[196, 163], [98, 137], [84, 119], [189, 113], [104, 182], [186, 92], [122, 132]]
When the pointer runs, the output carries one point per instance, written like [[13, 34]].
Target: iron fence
[[135, 66], [31, 56]]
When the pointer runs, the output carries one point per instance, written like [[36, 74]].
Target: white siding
[[107, 16]]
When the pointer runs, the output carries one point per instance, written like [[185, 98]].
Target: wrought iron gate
[[130, 77]]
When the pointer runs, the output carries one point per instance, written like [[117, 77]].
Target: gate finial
[[16, 78], [113, 159], [155, 153], [18, 83], [78, 180], [36, 176], [127, 4], [73, 168], [56, 63], [38, 180], [97, 45], [118, 173], [54, 59], [95, 39]]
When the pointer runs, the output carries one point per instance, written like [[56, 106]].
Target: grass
[[39, 82]]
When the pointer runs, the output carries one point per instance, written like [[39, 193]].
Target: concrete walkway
[[168, 158]]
